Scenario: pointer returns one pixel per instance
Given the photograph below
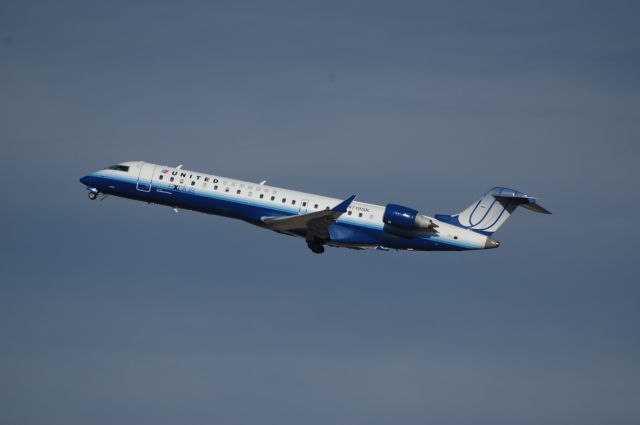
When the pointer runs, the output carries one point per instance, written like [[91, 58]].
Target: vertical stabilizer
[[488, 213]]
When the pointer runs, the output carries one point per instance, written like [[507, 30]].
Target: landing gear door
[[144, 178]]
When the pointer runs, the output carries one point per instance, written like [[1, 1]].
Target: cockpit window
[[124, 168]]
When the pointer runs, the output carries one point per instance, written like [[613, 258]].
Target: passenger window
[[360, 215], [284, 200], [238, 192], [193, 183], [171, 179], [273, 198], [261, 195], [226, 189], [348, 212], [315, 206], [215, 187], [304, 204], [161, 176], [293, 202]]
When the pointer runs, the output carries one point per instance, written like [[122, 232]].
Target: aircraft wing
[[312, 225]]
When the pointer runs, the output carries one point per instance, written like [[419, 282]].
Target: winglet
[[342, 206]]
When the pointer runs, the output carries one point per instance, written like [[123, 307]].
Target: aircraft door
[[144, 178], [304, 205]]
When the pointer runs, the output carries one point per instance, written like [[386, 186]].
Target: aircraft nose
[[491, 243], [84, 180]]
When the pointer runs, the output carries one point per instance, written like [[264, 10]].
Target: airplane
[[319, 220]]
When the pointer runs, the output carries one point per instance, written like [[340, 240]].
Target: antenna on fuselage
[[179, 166], [262, 182]]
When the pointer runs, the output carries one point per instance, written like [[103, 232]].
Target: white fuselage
[[362, 225]]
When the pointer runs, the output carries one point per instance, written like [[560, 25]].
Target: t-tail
[[488, 213]]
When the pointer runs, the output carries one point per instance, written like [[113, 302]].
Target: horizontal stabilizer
[[536, 208], [520, 199]]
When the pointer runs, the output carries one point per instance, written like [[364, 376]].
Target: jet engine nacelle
[[405, 218]]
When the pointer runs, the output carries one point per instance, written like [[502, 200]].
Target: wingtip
[[342, 206]]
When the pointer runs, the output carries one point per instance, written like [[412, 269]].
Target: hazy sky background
[[120, 313]]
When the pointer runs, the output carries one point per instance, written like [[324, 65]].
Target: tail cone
[[491, 243]]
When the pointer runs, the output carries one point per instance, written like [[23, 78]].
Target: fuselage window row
[[250, 194]]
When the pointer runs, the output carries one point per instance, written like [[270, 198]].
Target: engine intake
[[405, 218]]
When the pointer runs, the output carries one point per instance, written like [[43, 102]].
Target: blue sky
[[117, 312]]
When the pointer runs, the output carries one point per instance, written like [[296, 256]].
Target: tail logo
[[486, 215]]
